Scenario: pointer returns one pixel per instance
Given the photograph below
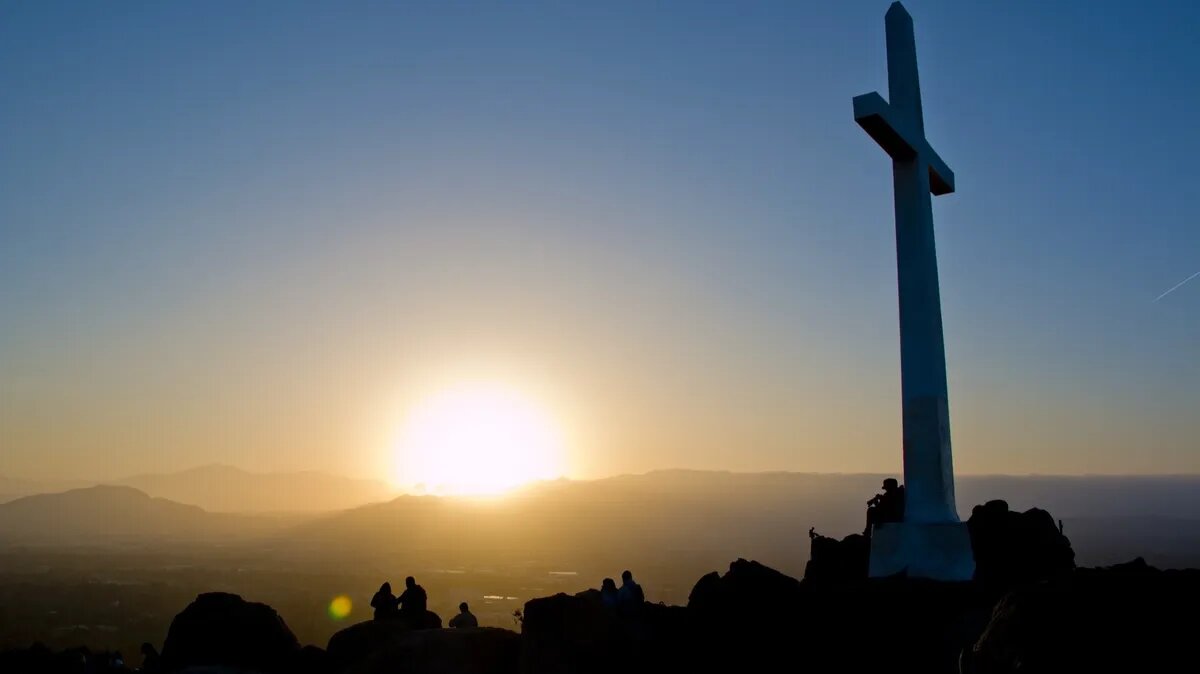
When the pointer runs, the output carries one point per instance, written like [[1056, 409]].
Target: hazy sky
[[258, 233]]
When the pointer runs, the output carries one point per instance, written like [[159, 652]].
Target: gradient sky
[[256, 233]]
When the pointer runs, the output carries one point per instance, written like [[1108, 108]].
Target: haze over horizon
[[302, 236]]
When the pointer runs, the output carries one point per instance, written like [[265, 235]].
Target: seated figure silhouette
[[413, 601], [464, 619], [885, 507], [150, 659], [630, 597], [384, 603], [609, 595]]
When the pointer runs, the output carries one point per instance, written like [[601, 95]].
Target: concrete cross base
[[934, 551]]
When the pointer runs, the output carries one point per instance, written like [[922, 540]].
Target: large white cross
[[898, 126]]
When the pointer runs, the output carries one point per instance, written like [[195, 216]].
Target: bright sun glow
[[477, 439]]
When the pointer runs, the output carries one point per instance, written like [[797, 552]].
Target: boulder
[[747, 589], [219, 629], [477, 650], [1127, 618], [1012, 548], [833, 561], [755, 616], [360, 640], [568, 633], [578, 634], [744, 619]]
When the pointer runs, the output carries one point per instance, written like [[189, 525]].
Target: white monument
[[931, 542]]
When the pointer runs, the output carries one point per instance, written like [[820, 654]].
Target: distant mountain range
[[689, 517], [226, 489], [219, 488], [708, 518], [106, 514]]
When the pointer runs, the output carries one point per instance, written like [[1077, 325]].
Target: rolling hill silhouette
[[707, 518], [106, 513], [695, 518], [221, 488]]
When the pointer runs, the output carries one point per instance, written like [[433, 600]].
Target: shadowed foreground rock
[[39, 659], [1013, 548], [831, 560], [1126, 618], [753, 616], [576, 634], [224, 629], [360, 640], [477, 650]]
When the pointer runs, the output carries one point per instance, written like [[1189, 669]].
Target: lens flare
[[340, 607]]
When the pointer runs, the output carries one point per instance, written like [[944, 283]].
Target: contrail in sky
[[1177, 286]]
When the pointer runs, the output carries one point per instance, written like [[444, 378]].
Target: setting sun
[[477, 439]]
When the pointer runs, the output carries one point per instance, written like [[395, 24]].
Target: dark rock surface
[[833, 561], [1125, 618], [360, 640], [1012, 548], [754, 616], [224, 629], [477, 650], [578, 634]]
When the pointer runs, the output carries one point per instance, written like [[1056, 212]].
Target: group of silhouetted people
[[411, 603], [625, 600], [885, 507]]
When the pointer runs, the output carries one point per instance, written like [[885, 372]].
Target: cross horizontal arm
[[880, 122]]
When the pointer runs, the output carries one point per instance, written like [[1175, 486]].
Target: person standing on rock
[[384, 603], [464, 619], [413, 601]]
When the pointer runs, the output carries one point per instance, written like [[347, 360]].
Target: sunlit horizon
[[477, 438]]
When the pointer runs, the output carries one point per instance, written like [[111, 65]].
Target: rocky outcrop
[[223, 629], [478, 650], [362, 639], [568, 633], [834, 561], [576, 634], [1127, 618], [754, 616], [747, 589], [1013, 548]]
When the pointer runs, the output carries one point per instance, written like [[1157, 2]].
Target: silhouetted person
[[413, 601], [886, 507], [609, 594], [384, 603], [630, 597], [464, 619], [150, 659]]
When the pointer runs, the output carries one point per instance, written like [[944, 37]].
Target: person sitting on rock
[[413, 601], [630, 597], [886, 507], [151, 661], [384, 602], [609, 595], [464, 619]]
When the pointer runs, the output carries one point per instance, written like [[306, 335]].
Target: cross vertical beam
[[898, 126]]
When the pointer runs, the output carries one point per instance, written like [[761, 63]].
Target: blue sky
[[250, 232]]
